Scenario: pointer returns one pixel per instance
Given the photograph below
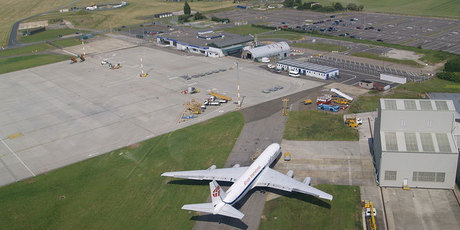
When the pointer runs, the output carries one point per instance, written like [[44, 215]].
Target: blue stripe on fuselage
[[244, 191]]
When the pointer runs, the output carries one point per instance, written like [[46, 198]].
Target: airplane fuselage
[[246, 181]]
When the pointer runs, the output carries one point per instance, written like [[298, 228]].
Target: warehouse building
[[209, 43], [308, 69], [455, 97], [279, 50], [414, 144]]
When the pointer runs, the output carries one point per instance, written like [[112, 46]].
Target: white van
[[293, 73]]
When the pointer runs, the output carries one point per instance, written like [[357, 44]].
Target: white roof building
[[414, 144], [280, 49]]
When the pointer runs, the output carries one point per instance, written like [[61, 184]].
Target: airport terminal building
[[414, 144], [308, 69]]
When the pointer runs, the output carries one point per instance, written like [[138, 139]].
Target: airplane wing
[[224, 174], [274, 179]]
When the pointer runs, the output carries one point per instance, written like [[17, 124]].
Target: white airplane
[[258, 174]]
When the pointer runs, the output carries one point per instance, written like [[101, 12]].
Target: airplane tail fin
[[217, 193], [217, 206]]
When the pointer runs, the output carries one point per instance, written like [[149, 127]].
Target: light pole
[[238, 85]]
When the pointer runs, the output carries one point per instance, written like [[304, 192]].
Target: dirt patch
[[135, 145], [29, 181], [403, 55]]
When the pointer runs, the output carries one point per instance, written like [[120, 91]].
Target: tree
[[297, 3], [187, 9], [199, 16], [316, 7], [452, 65], [288, 3], [338, 6], [352, 6], [361, 7]]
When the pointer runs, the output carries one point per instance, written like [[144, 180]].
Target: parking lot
[[429, 33], [61, 113]]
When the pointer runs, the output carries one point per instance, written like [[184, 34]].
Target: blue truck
[[333, 108]]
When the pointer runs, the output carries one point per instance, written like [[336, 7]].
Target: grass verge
[[318, 126], [411, 90], [245, 30], [279, 34], [26, 50], [47, 35], [67, 42], [123, 188], [299, 211], [387, 59], [24, 62], [320, 46]]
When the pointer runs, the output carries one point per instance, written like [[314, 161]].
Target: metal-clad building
[[308, 69], [279, 49], [414, 144]]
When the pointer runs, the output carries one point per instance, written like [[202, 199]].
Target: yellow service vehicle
[[341, 101], [307, 102], [351, 122]]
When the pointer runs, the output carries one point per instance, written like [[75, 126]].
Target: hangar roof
[[307, 65], [231, 41], [416, 142], [269, 50], [416, 105], [455, 97], [417, 125]]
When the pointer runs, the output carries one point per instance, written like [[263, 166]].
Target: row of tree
[[451, 70], [188, 14], [318, 7]]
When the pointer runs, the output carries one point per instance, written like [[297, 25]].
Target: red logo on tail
[[216, 192]]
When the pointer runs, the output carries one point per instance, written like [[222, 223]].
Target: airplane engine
[[290, 173], [236, 166], [212, 167], [307, 180]]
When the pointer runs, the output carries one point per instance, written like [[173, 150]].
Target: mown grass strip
[[123, 189], [318, 126]]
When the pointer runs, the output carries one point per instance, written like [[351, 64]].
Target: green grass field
[[123, 189], [67, 42], [46, 35], [434, 8], [318, 126], [26, 50], [320, 46], [410, 90], [245, 30], [387, 59], [280, 34], [24, 62], [299, 211]]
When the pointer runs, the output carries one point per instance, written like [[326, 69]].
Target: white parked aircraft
[[258, 174]]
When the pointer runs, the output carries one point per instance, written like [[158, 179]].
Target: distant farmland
[[432, 8]]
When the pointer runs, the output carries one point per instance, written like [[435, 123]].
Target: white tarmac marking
[[22, 162], [349, 171], [348, 79], [70, 53]]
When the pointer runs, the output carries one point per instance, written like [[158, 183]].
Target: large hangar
[[280, 50], [414, 144]]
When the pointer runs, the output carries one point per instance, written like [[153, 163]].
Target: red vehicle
[[326, 99]]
